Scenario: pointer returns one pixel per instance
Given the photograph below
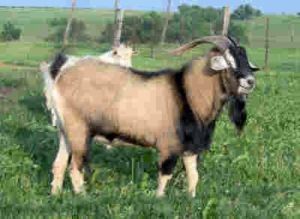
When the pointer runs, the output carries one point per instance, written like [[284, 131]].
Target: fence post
[[68, 28], [226, 21], [167, 19], [267, 44], [118, 28], [292, 33]]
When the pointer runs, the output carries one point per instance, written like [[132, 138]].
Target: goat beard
[[237, 112]]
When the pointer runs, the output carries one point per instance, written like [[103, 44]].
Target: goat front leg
[[190, 164], [166, 167], [60, 165]]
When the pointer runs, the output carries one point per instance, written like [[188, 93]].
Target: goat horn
[[222, 42]]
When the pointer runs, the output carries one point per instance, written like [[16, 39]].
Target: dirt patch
[[2, 64], [5, 92], [12, 66]]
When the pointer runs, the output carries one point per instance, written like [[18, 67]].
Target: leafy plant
[[10, 32], [246, 12], [58, 26]]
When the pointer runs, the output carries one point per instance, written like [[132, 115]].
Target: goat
[[174, 111], [121, 55]]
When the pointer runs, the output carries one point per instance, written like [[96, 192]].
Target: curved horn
[[234, 41], [222, 42]]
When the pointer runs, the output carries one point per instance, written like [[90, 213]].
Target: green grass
[[255, 175], [252, 176]]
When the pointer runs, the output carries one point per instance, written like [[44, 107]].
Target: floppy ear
[[253, 67], [218, 63]]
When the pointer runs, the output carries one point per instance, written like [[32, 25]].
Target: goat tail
[[59, 60], [48, 88]]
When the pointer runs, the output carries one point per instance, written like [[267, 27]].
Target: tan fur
[[111, 99], [205, 94], [127, 104]]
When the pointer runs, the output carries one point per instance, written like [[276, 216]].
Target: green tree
[[10, 32], [77, 31], [245, 12]]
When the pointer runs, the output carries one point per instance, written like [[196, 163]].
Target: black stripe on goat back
[[194, 135], [152, 74], [59, 60]]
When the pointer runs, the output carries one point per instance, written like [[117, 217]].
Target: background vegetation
[[255, 175]]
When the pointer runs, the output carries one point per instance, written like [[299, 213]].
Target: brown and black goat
[[174, 111]]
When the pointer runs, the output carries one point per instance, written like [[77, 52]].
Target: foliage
[[58, 26], [10, 32], [188, 23], [239, 31], [245, 12], [192, 22], [137, 29]]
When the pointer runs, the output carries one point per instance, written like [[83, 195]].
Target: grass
[[255, 175]]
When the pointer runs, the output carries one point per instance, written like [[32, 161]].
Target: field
[[255, 175]]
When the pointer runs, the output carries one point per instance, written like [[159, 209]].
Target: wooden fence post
[[68, 28], [226, 21], [118, 28], [267, 44], [292, 33], [165, 27]]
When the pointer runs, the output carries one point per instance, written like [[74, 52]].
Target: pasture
[[255, 175]]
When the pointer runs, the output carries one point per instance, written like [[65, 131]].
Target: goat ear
[[253, 67], [218, 63]]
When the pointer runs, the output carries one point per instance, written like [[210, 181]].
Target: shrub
[[10, 32], [188, 23], [77, 31], [245, 12]]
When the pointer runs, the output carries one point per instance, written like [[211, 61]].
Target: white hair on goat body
[[174, 111], [121, 55]]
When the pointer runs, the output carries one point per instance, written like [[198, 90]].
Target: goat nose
[[251, 82]]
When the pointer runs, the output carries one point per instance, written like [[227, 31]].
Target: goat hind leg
[[79, 149], [60, 165]]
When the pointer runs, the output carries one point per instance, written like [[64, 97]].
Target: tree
[[77, 30], [152, 24], [10, 32], [245, 12], [188, 23], [165, 27]]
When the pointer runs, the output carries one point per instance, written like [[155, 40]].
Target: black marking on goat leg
[[59, 60], [194, 135], [237, 112], [167, 166]]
